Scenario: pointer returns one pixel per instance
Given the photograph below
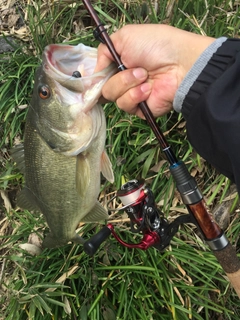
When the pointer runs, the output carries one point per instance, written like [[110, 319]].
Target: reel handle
[[92, 245]]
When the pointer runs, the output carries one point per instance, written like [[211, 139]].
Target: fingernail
[[146, 87], [140, 73]]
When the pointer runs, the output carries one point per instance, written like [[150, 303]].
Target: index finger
[[104, 58]]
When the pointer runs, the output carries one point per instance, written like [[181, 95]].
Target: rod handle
[[92, 245]]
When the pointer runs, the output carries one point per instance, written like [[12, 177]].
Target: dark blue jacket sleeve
[[212, 111]]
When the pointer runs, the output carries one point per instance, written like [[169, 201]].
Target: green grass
[[183, 282]]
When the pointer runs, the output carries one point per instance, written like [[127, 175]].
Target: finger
[[121, 82], [104, 58], [130, 100]]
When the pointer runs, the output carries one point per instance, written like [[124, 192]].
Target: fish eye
[[44, 92]]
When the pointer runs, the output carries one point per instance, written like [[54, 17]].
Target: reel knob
[[92, 245]]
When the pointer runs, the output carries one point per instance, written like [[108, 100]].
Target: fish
[[63, 151]]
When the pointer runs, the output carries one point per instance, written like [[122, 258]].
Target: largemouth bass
[[64, 142]]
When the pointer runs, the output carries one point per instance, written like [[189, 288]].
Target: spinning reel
[[145, 218]]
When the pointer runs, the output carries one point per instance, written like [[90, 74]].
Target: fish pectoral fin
[[82, 174], [106, 167], [17, 154], [26, 200], [97, 213]]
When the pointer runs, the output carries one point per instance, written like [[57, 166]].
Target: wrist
[[194, 48], [194, 72]]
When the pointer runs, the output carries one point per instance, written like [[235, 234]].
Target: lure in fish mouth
[[64, 142]]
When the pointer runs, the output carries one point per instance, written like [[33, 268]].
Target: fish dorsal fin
[[106, 167], [17, 154], [97, 213], [26, 200], [82, 174]]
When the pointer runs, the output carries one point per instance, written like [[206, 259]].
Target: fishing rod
[[138, 200]]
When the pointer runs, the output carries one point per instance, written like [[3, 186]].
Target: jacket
[[209, 99]]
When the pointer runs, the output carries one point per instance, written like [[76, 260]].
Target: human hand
[[157, 58]]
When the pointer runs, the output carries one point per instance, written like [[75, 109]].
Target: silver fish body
[[64, 143]]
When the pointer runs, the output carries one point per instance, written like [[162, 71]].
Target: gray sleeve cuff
[[194, 72]]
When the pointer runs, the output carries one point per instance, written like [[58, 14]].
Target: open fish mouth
[[71, 66], [66, 59]]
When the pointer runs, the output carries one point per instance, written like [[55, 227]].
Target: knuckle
[[125, 78]]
